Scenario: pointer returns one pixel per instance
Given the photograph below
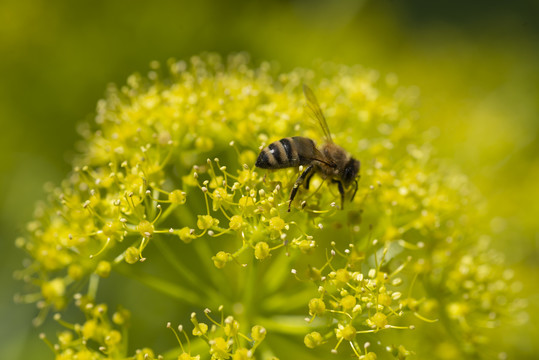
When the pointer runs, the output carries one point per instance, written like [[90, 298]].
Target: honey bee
[[330, 160]]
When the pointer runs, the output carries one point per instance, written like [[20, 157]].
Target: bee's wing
[[315, 112], [321, 158]]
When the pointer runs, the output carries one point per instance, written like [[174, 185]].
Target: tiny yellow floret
[[145, 228], [186, 356], [347, 332], [75, 271], [236, 222], [205, 222], [258, 333], [370, 356], [342, 276], [177, 197], [384, 299], [132, 255], [378, 320], [103, 269], [90, 329], [262, 250], [348, 302], [241, 354], [113, 338], [317, 307], [232, 327], [201, 329], [219, 348], [53, 289], [247, 204], [276, 223], [220, 259], [186, 235], [313, 340]]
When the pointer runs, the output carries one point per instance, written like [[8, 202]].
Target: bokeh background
[[476, 64]]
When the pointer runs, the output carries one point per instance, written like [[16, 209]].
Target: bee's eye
[[347, 175], [350, 171]]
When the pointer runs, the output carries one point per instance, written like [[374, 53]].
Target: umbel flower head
[[165, 192]]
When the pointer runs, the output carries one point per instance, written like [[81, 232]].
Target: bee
[[330, 161]]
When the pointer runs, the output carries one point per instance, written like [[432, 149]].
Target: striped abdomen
[[287, 152]]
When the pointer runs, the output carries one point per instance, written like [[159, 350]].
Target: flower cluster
[[224, 338], [168, 169], [96, 338], [100, 338], [360, 303]]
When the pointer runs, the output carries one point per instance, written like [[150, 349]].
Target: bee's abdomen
[[284, 153]]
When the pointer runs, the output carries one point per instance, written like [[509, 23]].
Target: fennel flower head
[[165, 192]]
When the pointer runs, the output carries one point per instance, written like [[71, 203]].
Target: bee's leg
[[341, 191], [297, 184], [308, 180], [355, 190]]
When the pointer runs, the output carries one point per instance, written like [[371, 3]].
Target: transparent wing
[[315, 112]]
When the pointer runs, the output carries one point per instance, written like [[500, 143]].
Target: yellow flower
[[149, 173], [313, 340], [317, 307], [346, 332]]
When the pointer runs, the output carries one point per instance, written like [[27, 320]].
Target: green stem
[[278, 271], [283, 303], [248, 288], [93, 285], [288, 325], [166, 213], [165, 287], [197, 347], [217, 277], [171, 257]]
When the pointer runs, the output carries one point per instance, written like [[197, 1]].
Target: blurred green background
[[475, 63]]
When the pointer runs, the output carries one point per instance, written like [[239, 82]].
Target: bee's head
[[350, 172]]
